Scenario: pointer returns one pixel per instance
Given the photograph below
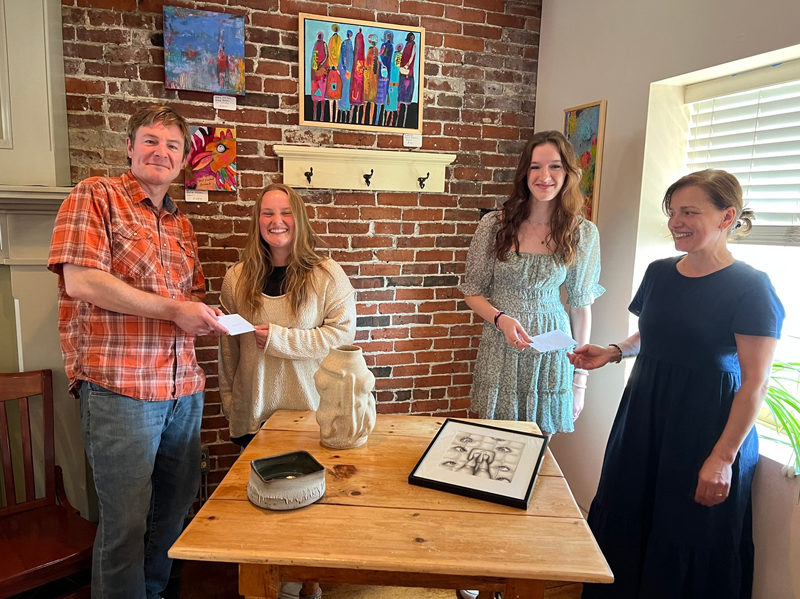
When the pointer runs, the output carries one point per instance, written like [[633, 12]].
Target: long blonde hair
[[257, 259], [567, 213]]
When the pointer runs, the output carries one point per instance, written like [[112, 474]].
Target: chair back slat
[[22, 387], [5, 446], [49, 436], [27, 447]]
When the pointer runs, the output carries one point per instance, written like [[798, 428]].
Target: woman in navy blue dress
[[672, 512]]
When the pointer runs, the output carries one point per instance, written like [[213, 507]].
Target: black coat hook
[[367, 177], [309, 173], [422, 180]]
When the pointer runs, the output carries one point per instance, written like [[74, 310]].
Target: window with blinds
[[755, 135]]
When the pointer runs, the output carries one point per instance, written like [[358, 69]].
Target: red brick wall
[[404, 252]]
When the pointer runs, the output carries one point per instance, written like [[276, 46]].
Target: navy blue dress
[[658, 541]]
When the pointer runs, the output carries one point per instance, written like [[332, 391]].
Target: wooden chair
[[42, 539]]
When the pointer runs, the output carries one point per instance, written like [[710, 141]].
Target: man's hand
[[196, 318], [108, 292]]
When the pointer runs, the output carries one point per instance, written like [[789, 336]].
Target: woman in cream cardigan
[[301, 304]]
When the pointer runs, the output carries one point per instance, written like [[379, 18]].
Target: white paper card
[[196, 195], [225, 102], [552, 341], [412, 140], [235, 324]]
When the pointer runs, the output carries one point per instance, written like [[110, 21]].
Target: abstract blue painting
[[203, 51]]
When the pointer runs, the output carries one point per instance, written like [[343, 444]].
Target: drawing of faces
[[508, 454], [479, 462], [483, 456], [455, 458]]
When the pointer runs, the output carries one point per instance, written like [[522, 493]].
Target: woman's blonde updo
[[723, 190]]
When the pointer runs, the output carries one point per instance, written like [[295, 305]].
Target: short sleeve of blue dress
[[658, 541], [583, 276], [477, 278]]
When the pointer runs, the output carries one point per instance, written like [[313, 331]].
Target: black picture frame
[[482, 461]]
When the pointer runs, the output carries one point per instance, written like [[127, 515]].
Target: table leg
[[524, 589], [310, 590], [259, 581]]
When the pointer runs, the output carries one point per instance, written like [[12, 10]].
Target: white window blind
[[754, 135]]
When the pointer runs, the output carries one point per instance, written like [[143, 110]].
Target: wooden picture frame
[[482, 461], [344, 62], [584, 127]]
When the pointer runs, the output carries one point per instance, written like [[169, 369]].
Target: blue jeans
[[145, 456]]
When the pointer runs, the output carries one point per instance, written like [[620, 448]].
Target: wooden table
[[372, 527]]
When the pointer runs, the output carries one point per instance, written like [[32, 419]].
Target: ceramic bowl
[[286, 482]]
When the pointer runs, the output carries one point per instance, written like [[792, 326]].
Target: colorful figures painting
[[360, 75]]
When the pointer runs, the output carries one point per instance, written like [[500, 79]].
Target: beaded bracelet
[[497, 316], [619, 349]]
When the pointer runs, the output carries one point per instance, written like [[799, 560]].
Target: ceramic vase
[[346, 412]]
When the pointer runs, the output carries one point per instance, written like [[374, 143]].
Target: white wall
[[614, 50]]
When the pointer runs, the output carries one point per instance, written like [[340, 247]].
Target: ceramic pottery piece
[[346, 413], [286, 481]]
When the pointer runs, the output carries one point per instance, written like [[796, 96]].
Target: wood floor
[[207, 580]]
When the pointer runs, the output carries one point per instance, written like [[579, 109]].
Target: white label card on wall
[[412, 140], [225, 102], [196, 195]]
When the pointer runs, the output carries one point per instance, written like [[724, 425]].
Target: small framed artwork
[[584, 127], [211, 163], [361, 74], [203, 51], [482, 461]]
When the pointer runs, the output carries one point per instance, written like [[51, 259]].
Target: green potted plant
[[784, 406]]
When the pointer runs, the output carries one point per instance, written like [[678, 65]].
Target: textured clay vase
[[346, 412]]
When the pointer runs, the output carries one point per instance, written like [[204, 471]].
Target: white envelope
[[235, 324], [552, 341]]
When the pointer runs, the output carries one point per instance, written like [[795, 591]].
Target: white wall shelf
[[343, 168]]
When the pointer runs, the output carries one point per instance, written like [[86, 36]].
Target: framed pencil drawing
[[361, 74], [482, 461], [584, 127]]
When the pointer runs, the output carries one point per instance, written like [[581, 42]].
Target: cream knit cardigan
[[254, 383]]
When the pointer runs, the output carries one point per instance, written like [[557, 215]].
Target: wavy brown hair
[[568, 204], [257, 259]]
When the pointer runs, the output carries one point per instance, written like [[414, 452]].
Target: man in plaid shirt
[[129, 308]]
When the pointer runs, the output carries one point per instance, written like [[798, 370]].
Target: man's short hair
[[159, 114]]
